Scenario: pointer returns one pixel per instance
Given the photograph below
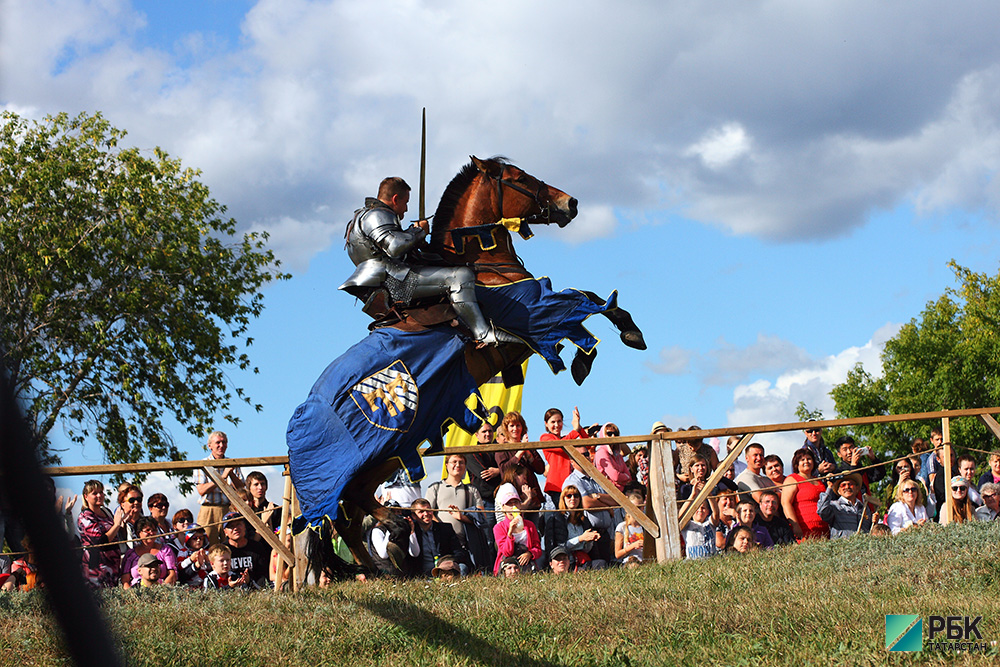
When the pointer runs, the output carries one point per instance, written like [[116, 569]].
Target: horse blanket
[[379, 400]]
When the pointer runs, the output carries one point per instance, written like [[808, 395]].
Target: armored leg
[[460, 285]]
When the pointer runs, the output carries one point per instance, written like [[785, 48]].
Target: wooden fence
[[661, 520]]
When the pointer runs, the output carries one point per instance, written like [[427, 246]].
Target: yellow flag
[[498, 400]]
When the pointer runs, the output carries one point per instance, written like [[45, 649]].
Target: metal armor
[[378, 245]]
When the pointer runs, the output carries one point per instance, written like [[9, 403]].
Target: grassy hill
[[821, 603]]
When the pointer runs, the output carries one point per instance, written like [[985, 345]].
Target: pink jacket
[[505, 543], [613, 466]]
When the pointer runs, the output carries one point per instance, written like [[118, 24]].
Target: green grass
[[822, 603]]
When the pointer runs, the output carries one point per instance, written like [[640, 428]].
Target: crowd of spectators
[[136, 541], [502, 519], [492, 515]]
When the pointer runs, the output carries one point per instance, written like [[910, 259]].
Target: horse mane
[[455, 189]]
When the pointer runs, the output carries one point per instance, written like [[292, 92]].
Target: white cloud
[[728, 364], [721, 146], [772, 401], [295, 242], [672, 361], [781, 120]]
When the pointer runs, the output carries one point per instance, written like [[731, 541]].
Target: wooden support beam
[[991, 424], [612, 490], [693, 503], [286, 520], [248, 514], [949, 502], [663, 500]]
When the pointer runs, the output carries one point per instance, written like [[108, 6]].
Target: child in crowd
[[629, 536], [746, 513], [182, 521], [699, 533], [23, 570], [192, 561], [219, 578]]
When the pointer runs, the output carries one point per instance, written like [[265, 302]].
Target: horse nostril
[[572, 207]]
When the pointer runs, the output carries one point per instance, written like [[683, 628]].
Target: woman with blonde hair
[[962, 509], [908, 510]]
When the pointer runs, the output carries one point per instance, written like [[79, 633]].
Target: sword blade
[[423, 163]]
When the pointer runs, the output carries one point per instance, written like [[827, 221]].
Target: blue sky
[[773, 187]]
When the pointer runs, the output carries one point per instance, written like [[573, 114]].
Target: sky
[[773, 187]]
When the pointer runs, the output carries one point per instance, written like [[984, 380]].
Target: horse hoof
[[634, 339], [582, 363]]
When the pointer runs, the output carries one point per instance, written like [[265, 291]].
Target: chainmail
[[401, 291]]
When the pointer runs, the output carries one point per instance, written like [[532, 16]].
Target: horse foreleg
[[351, 530], [622, 320]]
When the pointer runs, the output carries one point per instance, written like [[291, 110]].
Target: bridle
[[484, 233]]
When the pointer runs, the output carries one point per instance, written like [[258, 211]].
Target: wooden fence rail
[[662, 521]]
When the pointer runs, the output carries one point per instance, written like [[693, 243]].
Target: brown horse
[[480, 208]]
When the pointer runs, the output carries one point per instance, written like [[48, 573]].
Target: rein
[[485, 233]]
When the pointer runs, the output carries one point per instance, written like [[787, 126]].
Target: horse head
[[521, 195]]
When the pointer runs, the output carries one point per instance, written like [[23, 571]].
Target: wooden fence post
[[663, 498], [299, 571], [286, 519], [949, 502]]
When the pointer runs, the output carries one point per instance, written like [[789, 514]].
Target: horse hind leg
[[622, 320], [582, 362]]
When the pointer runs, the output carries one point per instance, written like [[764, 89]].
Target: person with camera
[[858, 459]]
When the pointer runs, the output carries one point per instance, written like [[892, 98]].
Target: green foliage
[[124, 292], [949, 359]]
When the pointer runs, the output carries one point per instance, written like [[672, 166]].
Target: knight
[[383, 251]]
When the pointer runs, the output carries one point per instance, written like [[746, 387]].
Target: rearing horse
[[408, 380], [480, 209]]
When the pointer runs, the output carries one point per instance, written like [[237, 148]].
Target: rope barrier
[[137, 538]]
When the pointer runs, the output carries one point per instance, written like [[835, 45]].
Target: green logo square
[[904, 632]]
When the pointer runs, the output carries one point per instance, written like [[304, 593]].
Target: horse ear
[[485, 166]]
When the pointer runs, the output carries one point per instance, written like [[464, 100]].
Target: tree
[[124, 292], [949, 359]]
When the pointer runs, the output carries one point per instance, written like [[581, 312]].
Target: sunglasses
[[988, 495], [902, 468], [572, 495], [133, 500], [612, 434], [959, 488], [812, 430], [910, 490], [161, 506]]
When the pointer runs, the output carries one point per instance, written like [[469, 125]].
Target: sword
[[423, 163]]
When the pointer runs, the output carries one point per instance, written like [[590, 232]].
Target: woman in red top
[[557, 461], [799, 500]]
